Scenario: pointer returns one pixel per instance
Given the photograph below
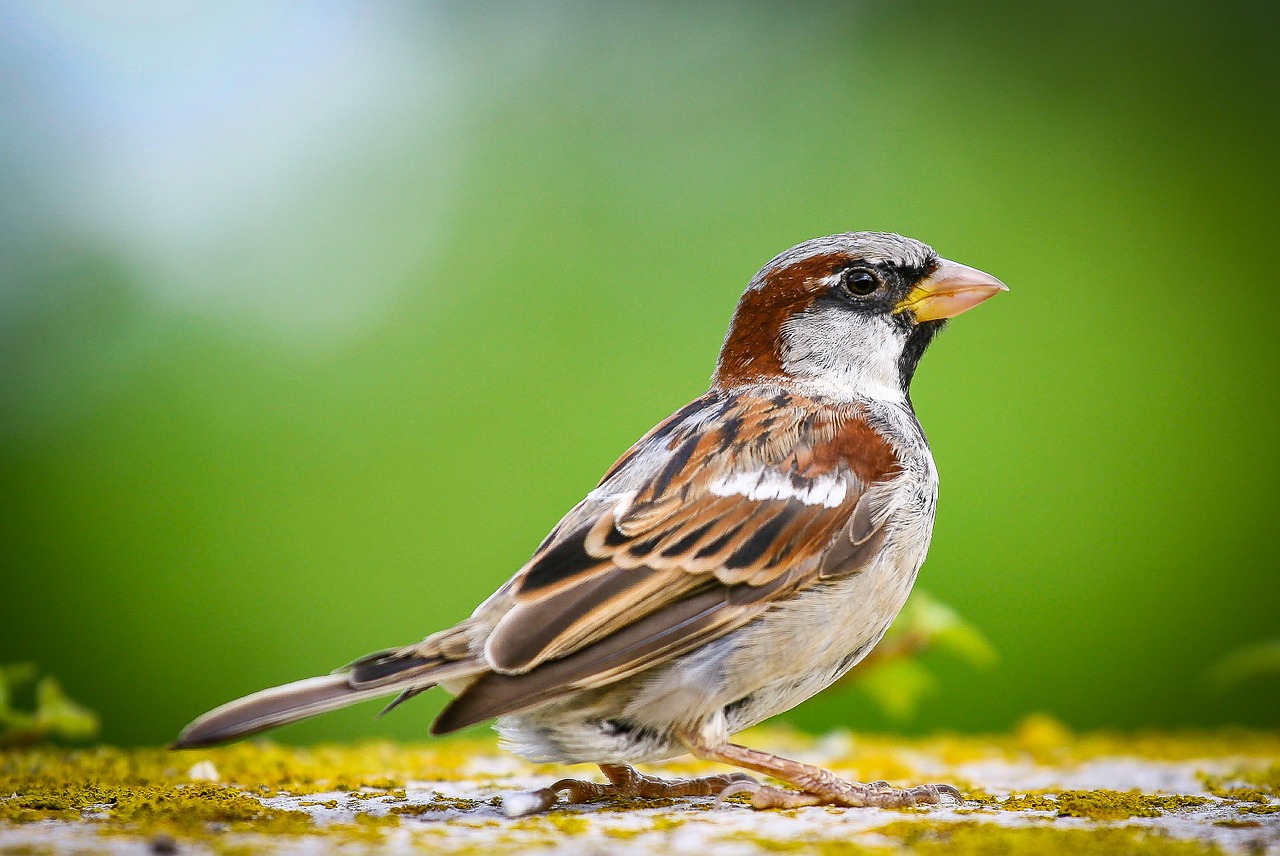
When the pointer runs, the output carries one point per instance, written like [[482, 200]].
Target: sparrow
[[737, 559]]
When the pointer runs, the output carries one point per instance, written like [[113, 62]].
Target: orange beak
[[951, 289]]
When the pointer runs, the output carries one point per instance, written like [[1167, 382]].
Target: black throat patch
[[913, 349]]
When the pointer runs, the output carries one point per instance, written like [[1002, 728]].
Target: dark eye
[[861, 282]]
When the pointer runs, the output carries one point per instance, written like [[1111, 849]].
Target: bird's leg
[[624, 782], [816, 785]]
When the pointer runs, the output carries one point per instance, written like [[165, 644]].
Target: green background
[[314, 319]]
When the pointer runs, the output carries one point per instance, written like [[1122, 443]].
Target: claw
[[949, 791], [524, 803], [745, 785]]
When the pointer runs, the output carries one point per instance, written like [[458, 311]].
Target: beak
[[951, 289]]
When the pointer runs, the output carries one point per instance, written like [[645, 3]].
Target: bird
[[740, 557]]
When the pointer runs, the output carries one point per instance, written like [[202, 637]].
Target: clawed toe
[[932, 794], [847, 794], [940, 791], [888, 797], [626, 783], [743, 784]]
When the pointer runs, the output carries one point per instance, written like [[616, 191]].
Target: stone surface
[[1040, 790]]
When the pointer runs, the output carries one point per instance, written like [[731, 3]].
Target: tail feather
[[273, 707], [405, 673]]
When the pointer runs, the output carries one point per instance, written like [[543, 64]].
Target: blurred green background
[[315, 317]]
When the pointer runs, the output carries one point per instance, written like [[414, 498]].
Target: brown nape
[[751, 349]]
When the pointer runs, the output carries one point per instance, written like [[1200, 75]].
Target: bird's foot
[[625, 782], [837, 792]]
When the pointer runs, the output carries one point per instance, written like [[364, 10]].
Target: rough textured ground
[[1040, 790]]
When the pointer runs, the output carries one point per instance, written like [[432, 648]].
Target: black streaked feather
[[565, 560], [717, 545], [675, 464], [614, 539], [687, 541], [763, 538]]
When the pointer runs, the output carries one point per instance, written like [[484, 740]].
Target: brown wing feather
[[676, 541]]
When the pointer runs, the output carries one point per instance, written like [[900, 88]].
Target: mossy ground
[[1038, 790]]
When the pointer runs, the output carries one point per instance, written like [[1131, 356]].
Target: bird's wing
[[731, 503]]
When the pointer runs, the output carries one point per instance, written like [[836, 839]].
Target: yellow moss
[[823, 847], [1028, 802], [980, 797], [1043, 737], [624, 834], [1118, 805], [1101, 804], [1240, 794], [566, 823], [364, 828], [149, 807], [969, 838], [1049, 741], [378, 766], [1177, 746], [1258, 783], [439, 802], [193, 806], [660, 823]]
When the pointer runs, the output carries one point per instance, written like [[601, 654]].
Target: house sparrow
[[740, 557]]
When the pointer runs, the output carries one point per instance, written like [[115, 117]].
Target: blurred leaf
[[1245, 663], [945, 630], [59, 716], [55, 717], [898, 686], [892, 674]]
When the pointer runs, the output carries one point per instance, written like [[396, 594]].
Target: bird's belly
[[802, 647]]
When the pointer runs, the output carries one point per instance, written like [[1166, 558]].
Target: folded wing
[[734, 501]]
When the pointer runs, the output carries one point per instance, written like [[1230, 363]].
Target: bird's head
[[847, 315]]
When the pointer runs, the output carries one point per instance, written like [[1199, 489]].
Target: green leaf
[[897, 686], [56, 716], [943, 628], [891, 673], [59, 716]]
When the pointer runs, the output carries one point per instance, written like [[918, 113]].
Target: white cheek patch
[[844, 354], [763, 484]]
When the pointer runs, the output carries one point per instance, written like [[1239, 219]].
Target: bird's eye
[[861, 282]]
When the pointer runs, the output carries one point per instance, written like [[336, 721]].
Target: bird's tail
[[404, 671]]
